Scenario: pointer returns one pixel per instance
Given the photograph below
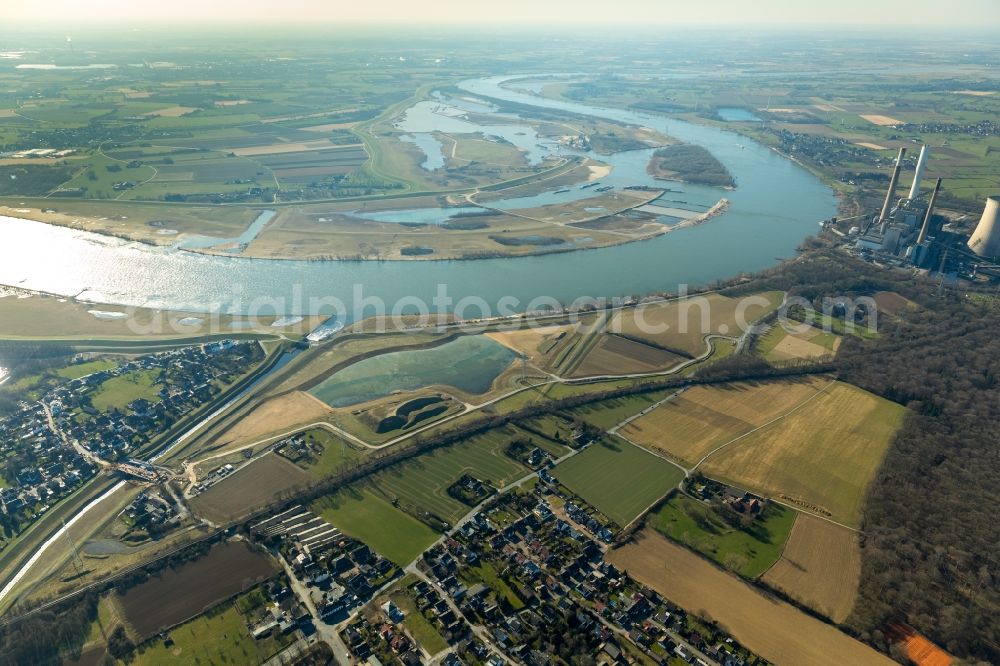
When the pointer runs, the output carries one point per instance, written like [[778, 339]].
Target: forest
[[690, 164], [930, 535], [930, 525]]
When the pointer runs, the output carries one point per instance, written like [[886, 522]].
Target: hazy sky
[[978, 13]]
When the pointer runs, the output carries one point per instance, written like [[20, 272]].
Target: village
[[524, 580], [521, 580], [55, 444]]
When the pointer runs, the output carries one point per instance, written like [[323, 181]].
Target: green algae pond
[[469, 363]]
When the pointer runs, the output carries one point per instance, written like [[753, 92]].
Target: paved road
[[82, 450], [326, 632], [190, 472], [481, 632]]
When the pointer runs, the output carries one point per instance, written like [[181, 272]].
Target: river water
[[775, 206]]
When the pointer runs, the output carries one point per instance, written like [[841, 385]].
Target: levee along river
[[775, 206]]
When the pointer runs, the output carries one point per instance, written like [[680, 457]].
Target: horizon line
[[859, 26]]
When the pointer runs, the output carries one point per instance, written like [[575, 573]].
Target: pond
[[431, 147], [469, 363]]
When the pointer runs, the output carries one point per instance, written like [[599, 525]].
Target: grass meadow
[[422, 484], [749, 552], [366, 516], [620, 480]]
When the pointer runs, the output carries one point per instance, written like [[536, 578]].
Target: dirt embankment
[[717, 209]]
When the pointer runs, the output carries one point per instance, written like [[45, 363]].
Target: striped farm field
[[421, 485], [364, 515], [614, 355], [820, 457], [820, 567], [618, 479], [690, 425]]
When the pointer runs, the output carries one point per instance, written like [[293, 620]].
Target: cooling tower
[[919, 173], [985, 240]]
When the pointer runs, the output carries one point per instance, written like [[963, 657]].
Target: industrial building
[[906, 230]]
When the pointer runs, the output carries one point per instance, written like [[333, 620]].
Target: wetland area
[[775, 205]]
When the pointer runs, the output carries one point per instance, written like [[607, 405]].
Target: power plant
[[918, 175], [985, 240], [883, 218], [906, 232]]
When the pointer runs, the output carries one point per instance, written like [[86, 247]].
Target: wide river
[[775, 206]]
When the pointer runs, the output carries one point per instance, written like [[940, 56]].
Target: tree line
[[929, 531], [930, 534]]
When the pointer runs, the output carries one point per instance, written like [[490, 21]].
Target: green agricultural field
[[422, 484], [217, 637], [609, 413], [766, 343], [827, 323], [749, 552], [78, 370], [33, 179], [118, 392], [99, 173], [617, 478], [364, 515], [486, 574], [780, 345], [560, 391], [105, 620], [825, 340], [198, 120], [721, 348], [555, 449], [553, 427]]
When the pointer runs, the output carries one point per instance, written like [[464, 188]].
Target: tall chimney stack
[[891, 194], [918, 175], [930, 211]]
